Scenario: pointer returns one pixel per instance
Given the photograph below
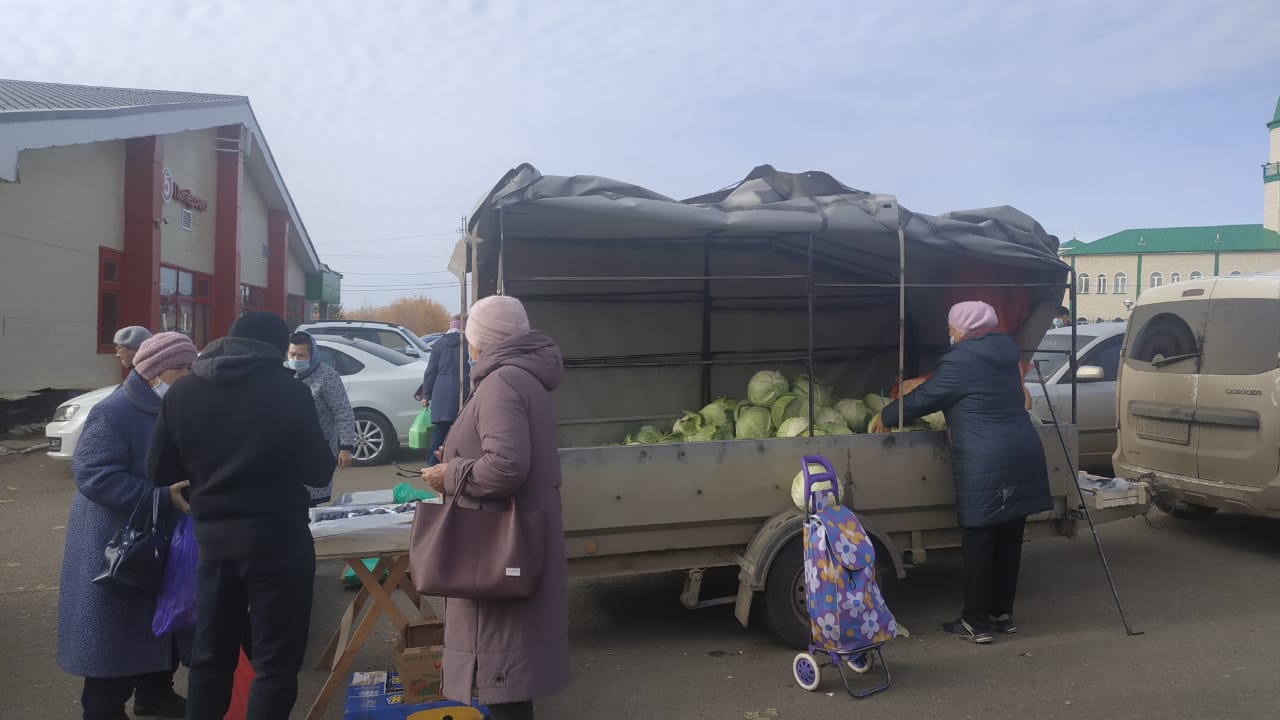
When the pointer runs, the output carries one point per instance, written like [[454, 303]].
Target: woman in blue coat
[[104, 634], [445, 375], [997, 459]]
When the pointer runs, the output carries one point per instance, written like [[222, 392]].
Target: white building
[[136, 207]]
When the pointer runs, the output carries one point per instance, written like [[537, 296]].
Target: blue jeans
[[439, 432]]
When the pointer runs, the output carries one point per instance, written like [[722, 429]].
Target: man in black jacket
[[245, 434]]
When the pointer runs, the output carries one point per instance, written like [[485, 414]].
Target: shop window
[[1082, 284], [1121, 284], [1102, 284], [110, 268], [252, 298], [294, 311], [185, 303]]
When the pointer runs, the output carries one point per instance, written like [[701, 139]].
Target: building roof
[[20, 96], [1071, 244], [1206, 239], [39, 115]]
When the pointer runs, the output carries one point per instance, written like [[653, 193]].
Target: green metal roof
[[1071, 244], [1208, 239], [1275, 121]]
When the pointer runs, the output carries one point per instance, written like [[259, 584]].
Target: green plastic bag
[[406, 492], [420, 431]]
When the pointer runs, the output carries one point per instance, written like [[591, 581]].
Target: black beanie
[[264, 327]]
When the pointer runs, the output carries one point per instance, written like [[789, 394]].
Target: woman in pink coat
[[503, 445]]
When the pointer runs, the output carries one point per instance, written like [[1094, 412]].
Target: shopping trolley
[[847, 614]]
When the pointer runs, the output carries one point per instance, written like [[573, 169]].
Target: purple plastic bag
[[176, 603]]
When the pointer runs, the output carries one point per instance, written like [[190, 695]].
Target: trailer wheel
[[785, 611]]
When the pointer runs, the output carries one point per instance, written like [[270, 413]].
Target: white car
[[380, 384], [1098, 362], [68, 420]]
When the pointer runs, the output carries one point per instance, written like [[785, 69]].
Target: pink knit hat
[[971, 316], [163, 351], [493, 320]]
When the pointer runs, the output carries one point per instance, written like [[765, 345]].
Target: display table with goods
[[355, 532]]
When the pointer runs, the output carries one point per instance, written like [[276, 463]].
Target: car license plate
[[1178, 433]]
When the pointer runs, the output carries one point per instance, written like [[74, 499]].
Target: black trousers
[[992, 558], [104, 698], [276, 587], [512, 711]]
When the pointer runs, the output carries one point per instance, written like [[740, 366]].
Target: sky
[[389, 121]]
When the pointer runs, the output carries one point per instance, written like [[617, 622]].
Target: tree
[[420, 314]]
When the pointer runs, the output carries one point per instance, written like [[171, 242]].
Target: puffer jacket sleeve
[[506, 448], [939, 392], [101, 465]]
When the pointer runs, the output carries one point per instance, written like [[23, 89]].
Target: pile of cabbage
[[777, 407]]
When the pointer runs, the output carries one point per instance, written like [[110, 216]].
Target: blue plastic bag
[[176, 603]]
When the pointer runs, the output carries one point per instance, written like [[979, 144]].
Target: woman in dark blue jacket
[[446, 373], [997, 458]]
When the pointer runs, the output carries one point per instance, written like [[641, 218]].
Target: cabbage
[[797, 488], [765, 387], [828, 416], [793, 427], [856, 414], [688, 424], [647, 435], [784, 408], [834, 429], [935, 421], [752, 423], [719, 412], [708, 433], [874, 402], [823, 395]]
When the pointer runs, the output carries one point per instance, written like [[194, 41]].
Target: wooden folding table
[[376, 599]]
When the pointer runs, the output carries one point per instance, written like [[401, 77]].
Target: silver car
[[1098, 362]]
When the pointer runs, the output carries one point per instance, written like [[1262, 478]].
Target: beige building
[[136, 207], [1112, 272]]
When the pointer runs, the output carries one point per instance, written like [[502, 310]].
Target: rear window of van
[[1218, 337]]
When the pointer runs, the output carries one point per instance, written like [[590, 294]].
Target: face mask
[[161, 388], [952, 340], [297, 365], [1057, 322]]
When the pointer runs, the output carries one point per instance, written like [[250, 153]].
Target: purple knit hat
[[969, 317], [163, 351]]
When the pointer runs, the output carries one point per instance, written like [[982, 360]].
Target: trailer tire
[[783, 611]]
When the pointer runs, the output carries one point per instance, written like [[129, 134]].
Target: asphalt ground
[[1204, 592]]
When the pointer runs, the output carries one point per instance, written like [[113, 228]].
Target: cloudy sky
[[389, 121]]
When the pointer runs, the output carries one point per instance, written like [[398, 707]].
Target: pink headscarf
[[972, 316]]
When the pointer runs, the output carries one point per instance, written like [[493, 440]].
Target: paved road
[[1203, 592]]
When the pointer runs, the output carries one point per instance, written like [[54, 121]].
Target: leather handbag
[[134, 558], [477, 554]]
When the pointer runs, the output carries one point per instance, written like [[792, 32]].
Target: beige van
[[1198, 399]]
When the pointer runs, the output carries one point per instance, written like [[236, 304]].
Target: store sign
[[170, 190]]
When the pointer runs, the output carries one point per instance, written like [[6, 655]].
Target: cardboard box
[[417, 655], [379, 696]]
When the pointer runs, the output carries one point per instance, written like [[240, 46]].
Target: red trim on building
[[277, 261], [140, 275], [226, 235], [110, 275]]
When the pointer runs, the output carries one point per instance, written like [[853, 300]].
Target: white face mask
[[952, 340], [297, 365], [161, 388], [1057, 322]]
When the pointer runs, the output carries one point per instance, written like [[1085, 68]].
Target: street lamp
[[1128, 305]]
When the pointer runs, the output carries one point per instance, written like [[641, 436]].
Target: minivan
[[1198, 394]]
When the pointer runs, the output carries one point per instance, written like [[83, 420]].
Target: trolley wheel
[[861, 664], [806, 670]]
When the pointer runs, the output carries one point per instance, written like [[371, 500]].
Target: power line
[[385, 256], [387, 239], [433, 272]]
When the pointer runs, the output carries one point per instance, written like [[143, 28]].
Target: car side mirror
[[1090, 373], [411, 351]]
